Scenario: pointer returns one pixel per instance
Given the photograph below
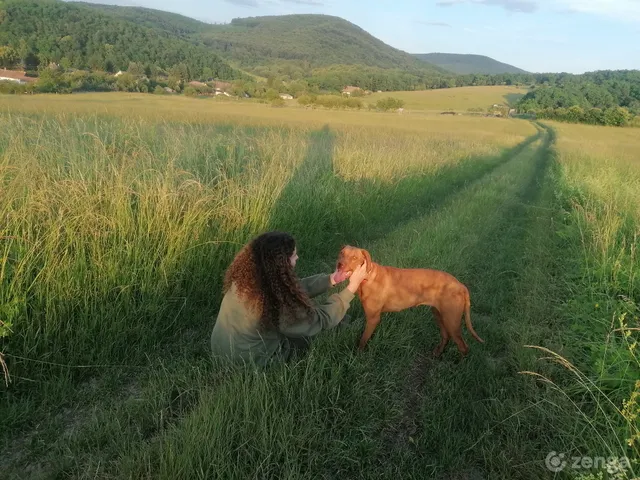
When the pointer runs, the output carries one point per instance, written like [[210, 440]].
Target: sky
[[536, 35]]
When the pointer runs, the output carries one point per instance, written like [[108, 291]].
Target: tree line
[[87, 45], [599, 98], [34, 33]]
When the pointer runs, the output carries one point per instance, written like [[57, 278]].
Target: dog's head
[[349, 259]]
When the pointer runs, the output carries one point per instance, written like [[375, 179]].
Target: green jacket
[[236, 334]]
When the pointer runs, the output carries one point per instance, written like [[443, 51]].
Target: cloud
[[525, 6], [244, 3], [312, 3], [620, 9], [628, 10], [433, 24], [257, 3]]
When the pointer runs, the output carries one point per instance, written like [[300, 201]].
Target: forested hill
[[312, 40], [297, 54], [318, 40], [464, 64], [79, 36], [327, 50], [595, 97], [166, 21]]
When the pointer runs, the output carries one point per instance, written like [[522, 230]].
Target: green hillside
[[290, 45], [317, 40], [83, 36], [166, 21], [466, 64], [324, 50]]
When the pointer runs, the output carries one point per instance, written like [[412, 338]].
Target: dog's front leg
[[372, 321]]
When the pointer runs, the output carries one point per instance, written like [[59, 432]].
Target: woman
[[266, 308]]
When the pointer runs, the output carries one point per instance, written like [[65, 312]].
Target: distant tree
[[51, 80], [594, 116], [109, 66], [180, 71], [65, 63], [23, 50], [175, 83], [126, 82], [575, 114], [272, 94], [31, 62], [305, 100], [135, 69], [207, 73], [389, 103], [8, 57], [189, 91], [617, 116]]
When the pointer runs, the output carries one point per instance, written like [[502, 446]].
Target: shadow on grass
[[324, 211], [499, 271]]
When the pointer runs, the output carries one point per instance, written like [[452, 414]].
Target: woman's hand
[[356, 278]]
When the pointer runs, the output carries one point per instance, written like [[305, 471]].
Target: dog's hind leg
[[444, 335], [452, 320], [463, 348]]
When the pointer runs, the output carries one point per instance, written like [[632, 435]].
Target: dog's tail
[[467, 316]]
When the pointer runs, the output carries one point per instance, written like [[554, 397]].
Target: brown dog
[[390, 289]]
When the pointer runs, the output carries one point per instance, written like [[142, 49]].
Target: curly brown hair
[[264, 277]]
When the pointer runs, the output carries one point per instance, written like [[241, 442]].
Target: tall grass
[[116, 232], [208, 110], [113, 229], [117, 227], [598, 186]]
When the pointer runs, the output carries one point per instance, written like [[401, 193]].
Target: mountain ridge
[[466, 63]]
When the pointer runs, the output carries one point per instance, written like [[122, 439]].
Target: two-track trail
[[388, 412], [497, 237]]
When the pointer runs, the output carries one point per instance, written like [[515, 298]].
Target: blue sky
[[536, 35]]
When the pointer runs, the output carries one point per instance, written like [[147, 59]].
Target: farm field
[[121, 212], [458, 99], [193, 109]]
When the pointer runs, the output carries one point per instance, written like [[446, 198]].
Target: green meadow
[[120, 213]]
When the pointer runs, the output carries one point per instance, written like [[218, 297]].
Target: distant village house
[[14, 76], [221, 86], [348, 90]]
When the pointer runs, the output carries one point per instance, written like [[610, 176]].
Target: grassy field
[[456, 99], [117, 227], [225, 109]]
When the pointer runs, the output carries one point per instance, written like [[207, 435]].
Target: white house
[[9, 79]]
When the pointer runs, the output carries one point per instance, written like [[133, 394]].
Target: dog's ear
[[367, 257]]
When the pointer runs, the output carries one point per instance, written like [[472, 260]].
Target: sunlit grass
[[457, 99], [121, 212], [182, 108]]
